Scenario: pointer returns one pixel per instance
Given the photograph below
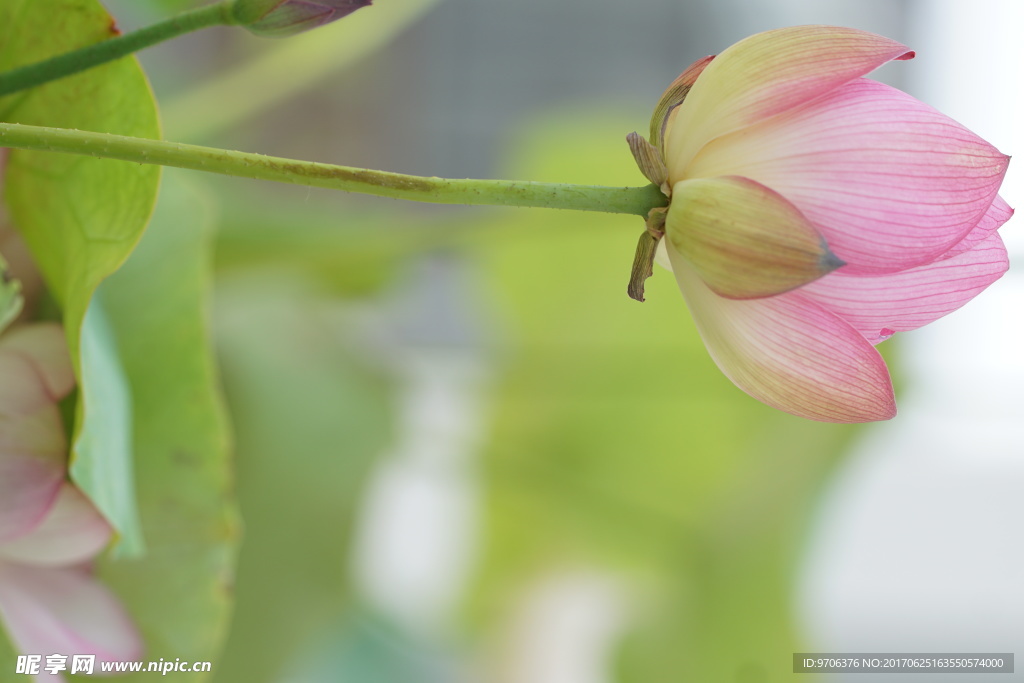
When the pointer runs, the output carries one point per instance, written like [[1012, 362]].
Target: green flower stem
[[629, 200], [87, 57]]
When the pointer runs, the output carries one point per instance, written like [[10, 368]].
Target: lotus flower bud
[[814, 213], [280, 18]]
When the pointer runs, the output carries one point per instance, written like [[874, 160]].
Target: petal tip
[[828, 261], [881, 410]]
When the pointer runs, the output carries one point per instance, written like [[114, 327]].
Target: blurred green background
[[461, 452]]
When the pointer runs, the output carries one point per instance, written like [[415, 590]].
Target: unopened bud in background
[[279, 18]]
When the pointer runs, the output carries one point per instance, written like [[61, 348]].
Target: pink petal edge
[[997, 214], [28, 490], [45, 347], [766, 74], [882, 305], [65, 610], [72, 532], [33, 450], [790, 353]]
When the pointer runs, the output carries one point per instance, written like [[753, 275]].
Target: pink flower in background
[[814, 213], [49, 531]]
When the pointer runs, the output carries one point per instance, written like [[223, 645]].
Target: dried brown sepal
[[648, 158], [646, 248], [672, 98]]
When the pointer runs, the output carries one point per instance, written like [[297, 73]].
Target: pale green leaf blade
[[105, 388], [10, 296], [158, 308]]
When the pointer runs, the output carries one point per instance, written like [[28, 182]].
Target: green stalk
[[629, 200], [87, 57]]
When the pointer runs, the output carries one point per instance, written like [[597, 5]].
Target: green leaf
[[10, 296], [105, 388], [158, 311], [80, 216], [8, 657]]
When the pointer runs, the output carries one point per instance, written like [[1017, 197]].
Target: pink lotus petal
[[67, 611], [73, 532], [43, 345], [766, 74], [32, 447], [28, 488], [890, 182], [790, 353], [882, 305], [997, 214]]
